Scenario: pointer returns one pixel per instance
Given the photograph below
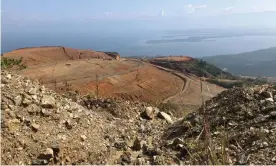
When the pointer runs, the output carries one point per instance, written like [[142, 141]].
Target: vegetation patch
[[238, 83], [7, 63]]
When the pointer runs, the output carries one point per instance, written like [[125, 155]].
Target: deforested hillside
[[53, 54], [41, 127], [105, 74], [38, 126]]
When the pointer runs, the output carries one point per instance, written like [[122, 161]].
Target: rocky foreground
[[39, 126]]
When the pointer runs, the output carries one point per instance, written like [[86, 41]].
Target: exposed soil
[[64, 69], [41, 127]]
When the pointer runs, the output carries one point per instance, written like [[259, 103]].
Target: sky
[[42, 15]]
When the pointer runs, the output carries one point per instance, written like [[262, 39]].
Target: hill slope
[[89, 72], [46, 54], [256, 63], [191, 65], [41, 127]]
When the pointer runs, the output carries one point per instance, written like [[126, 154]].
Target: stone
[[265, 144], [4, 80], [35, 98], [47, 154], [18, 100], [48, 101], [273, 114], [142, 128], [83, 137], [125, 158], [165, 116], [140, 161], [35, 127], [27, 100], [267, 94], [138, 144], [45, 112], [40, 162], [12, 107], [32, 108], [9, 76], [148, 113], [120, 145], [32, 91], [13, 125], [177, 141], [269, 99], [68, 124], [55, 148], [158, 160]]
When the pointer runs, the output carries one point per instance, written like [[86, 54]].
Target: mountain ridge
[[255, 63]]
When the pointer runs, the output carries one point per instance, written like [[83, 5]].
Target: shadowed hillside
[[256, 63], [193, 66]]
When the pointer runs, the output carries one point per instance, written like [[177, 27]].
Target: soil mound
[[47, 54], [240, 122], [41, 127]]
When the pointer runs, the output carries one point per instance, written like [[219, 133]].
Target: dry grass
[[205, 150]]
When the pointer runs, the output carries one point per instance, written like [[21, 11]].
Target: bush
[[226, 84], [7, 63]]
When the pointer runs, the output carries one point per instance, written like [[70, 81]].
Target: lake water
[[134, 44]]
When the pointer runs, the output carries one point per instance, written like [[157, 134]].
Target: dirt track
[[191, 91]]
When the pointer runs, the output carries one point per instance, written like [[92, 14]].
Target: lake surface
[[193, 44]]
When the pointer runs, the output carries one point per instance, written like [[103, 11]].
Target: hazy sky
[[18, 15]]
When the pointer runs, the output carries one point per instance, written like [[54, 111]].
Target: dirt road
[[191, 91]]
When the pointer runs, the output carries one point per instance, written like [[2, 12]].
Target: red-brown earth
[[86, 71]]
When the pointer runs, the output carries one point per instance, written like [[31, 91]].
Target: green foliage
[[111, 53], [7, 63], [238, 83], [226, 84], [256, 63], [207, 70], [197, 67]]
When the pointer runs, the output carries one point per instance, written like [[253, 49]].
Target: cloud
[[162, 13], [261, 9], [200, 6], [229, 9], [190, 8], [108, 14]]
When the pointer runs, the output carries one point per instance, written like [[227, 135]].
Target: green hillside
[[197, 67], [257, 63]]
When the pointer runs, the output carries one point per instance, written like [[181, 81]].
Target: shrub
[[7, 63]]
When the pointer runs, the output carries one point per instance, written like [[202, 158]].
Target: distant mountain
[[257, 63]]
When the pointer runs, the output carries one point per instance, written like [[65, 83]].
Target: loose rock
[[48, 101], [166, 117]]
